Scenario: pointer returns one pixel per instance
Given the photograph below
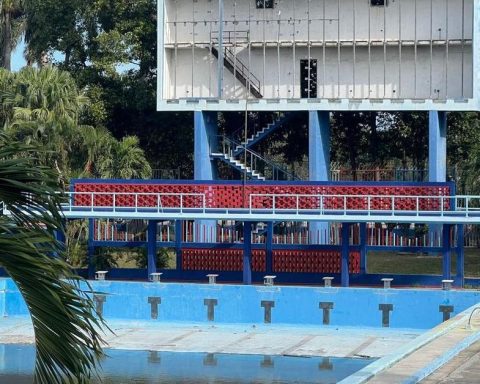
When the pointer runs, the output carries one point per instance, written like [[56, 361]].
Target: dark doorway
[[308, 78]]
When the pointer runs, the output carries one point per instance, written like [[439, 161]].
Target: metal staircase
[[256, 167], [231, 40], [258, 136]]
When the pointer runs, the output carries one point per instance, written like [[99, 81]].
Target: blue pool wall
[[357, 307]]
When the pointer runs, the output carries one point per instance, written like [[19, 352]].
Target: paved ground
[[463, 369], [242, 339], [435, 353]]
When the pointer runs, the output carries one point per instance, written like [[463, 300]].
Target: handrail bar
[[266, 160]]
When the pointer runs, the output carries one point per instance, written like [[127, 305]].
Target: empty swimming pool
[[262, 330]]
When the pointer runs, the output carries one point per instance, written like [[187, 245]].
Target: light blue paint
[[319, 164], [205, 137], [358, 307]]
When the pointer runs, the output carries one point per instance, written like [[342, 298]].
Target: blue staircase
[[258, 136], [256, 167]]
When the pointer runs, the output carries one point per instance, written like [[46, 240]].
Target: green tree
[[45, 106], [68, 343], [125, 161], [12, 25]]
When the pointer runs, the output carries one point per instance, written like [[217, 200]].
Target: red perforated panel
[[220, 260], [236, 196], [283, 260], [313, 261]]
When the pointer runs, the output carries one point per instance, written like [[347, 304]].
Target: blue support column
[[460, 254], [205, 135], [91, 249], [269, 249], [437, 157], [151, 247], [447, 251], [345, 254], [247, 253], [363, 248], [319, 165], [60, 237], [178, 243]]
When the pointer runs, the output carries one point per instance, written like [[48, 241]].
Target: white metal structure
[[318, 55], [464, 209]]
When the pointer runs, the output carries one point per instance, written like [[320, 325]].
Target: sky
[[18, 60]]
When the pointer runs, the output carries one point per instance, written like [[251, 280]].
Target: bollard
[[212, 278], [268, 280], [328, 281], [447, 285], [100, 275], [155, 277], [387, 283]]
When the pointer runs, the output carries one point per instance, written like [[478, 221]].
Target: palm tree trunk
[[7, 42]]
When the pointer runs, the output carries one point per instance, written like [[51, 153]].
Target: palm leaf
[[63, 315]]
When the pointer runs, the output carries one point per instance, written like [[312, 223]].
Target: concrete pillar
[[91, 249], [205, 136], [345, 255], [247, 253], [151, 247], [319, 165], [437, 146], [476, 50], [437, 157]]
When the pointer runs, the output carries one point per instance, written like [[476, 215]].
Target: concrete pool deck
[[417, 355], [302, 341], [423, 356]]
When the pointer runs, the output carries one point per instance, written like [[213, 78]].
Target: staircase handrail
[[242, 68], [240, 130], [242, 36], [232, 58], [275, 167]]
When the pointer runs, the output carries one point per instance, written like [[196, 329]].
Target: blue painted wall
[[293, 305]]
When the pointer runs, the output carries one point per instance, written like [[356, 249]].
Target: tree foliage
[[63, 315]]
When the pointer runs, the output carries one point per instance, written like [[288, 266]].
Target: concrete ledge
[[388, 361]]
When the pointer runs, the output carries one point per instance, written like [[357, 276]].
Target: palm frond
[[63, 315]]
